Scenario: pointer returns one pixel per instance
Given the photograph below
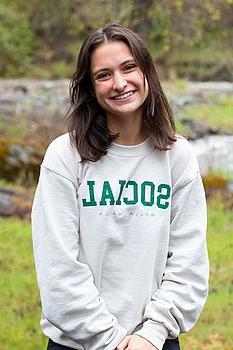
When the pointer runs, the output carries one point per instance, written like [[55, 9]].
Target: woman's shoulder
[[62, 157], [61, 146], [183, 161], [61, 143], [181, 149]]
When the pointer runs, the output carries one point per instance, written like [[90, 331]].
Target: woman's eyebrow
[[128, 61], [100, 70], [131, 60]]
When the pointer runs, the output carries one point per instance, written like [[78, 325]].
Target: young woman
[[119, 216]]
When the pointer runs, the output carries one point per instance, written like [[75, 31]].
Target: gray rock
[[5, 201], [221, 86], [197, 130], [214, 153], [15, 203], [19, 97]]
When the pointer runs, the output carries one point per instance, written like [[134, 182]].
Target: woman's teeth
[[125, 95]]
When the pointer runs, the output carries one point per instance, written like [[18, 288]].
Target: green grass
[[9, 185], [13, 127], [181, 128], [20, 306], [214, 329], [218, 114], [19, 302]]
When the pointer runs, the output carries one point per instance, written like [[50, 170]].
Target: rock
[[221, 86], [180, 101], [20, 161], [21, 88], [15, 203], [214, 153], [197, 130], [5, 202], [30, 97]]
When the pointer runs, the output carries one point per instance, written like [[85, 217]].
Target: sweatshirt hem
[[59, 337]]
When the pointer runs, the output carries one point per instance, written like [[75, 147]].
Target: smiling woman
[[119, 215], [119, 84], [116, 77]]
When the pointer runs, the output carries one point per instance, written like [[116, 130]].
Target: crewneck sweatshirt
[[119, 244]]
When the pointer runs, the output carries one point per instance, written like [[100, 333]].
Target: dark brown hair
[[87, 124]]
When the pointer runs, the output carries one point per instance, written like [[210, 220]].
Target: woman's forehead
[[110, 53]]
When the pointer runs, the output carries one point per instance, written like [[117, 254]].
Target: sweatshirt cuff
[[120, 335], [154, 332]]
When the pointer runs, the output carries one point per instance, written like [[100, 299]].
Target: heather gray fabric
[[119, 244]]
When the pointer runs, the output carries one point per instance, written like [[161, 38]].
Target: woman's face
[[119, 85]]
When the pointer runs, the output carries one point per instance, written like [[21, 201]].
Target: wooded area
[[188, 39], [40, 39]]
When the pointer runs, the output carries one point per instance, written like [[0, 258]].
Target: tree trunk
[[140, 17]]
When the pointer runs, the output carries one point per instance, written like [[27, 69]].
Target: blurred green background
[[39, 44], [189, 39]]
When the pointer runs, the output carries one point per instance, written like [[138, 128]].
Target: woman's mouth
[[123, 96]]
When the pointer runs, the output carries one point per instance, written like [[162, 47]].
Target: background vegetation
[[41, 39], [20, 306], [188, 39]]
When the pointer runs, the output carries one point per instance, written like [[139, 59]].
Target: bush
[[17, 42], [19, 161], [215, 182]]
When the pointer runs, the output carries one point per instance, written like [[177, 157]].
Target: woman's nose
[[119, 82]]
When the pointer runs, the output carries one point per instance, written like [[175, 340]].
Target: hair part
[[87, 122]]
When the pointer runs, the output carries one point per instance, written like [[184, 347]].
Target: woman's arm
[[177, 304], [70, 299]]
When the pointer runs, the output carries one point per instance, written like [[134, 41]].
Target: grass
[[13, 126], [181, 128], [9, 185], [218, 113], [19, 303], [224, 174], [214, 329], [20, 306]]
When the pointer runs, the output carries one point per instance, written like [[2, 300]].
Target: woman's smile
[[119, 85], [124, 96]]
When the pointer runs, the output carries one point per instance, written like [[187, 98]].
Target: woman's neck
[[131, 130]]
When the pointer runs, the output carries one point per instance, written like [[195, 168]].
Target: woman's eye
[[130, 66], [103, 76]]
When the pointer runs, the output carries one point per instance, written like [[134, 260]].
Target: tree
[[16, 41]]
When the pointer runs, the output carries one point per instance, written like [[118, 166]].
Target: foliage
[[19, 301], [13, 128], [20, 160], [214, 330], [188, 39], [19, 320], [217, 112], [213, 181], [180, 27], [17, 41]]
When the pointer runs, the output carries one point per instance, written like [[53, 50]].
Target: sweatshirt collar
[[132, 151]]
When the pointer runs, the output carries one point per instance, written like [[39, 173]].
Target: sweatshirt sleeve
[[69, 297], [177, 304]]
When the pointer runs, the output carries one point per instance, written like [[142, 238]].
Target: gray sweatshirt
[[119, 244]]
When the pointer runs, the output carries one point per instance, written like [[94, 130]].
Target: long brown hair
[[87, 124]]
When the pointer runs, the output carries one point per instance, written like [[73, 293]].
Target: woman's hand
[[135, 342]]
